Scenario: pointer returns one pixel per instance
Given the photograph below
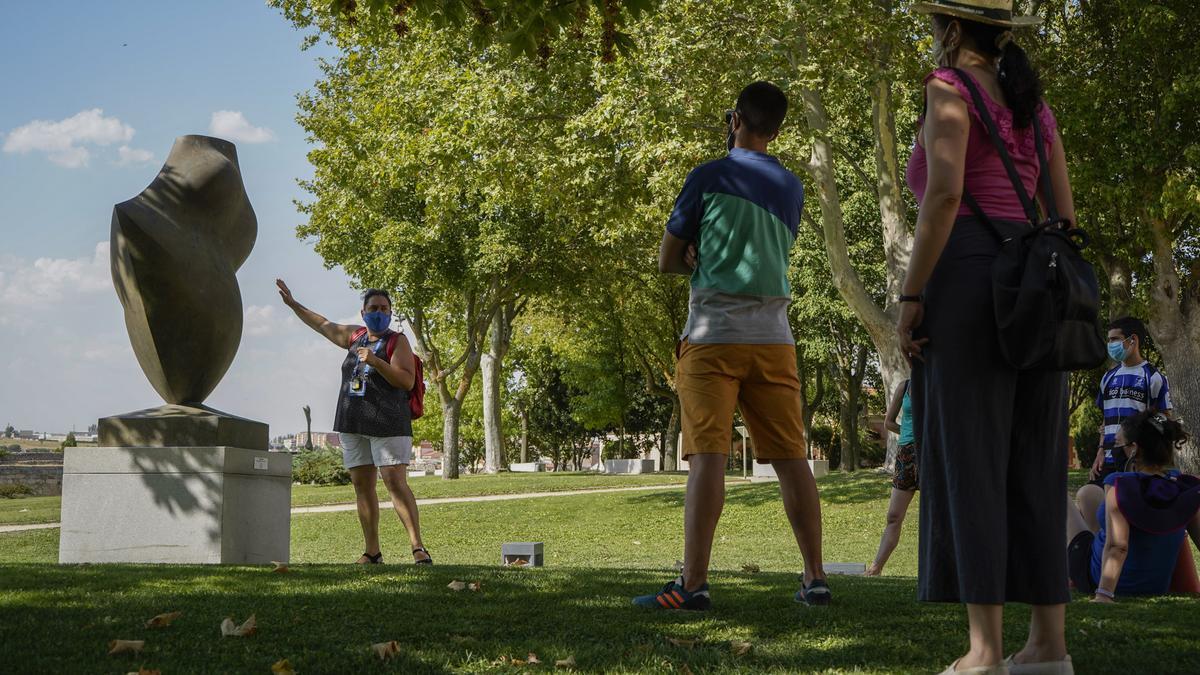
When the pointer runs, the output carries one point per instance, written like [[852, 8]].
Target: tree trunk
[[524, 435], [878, 322], [492, 365], [849, 414], [897, 243], [670, 453], [451, 417], [1176, 329]]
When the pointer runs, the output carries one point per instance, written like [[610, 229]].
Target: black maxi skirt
[[993, 460]]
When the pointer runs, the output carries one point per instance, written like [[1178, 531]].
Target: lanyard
[[366, 367]]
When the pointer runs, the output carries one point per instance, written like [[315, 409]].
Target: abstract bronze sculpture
[[176, 249]]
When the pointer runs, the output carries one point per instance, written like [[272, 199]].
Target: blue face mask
[[1117, 350], [377, 322]]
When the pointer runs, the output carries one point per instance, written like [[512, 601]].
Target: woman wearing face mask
[[373, 415], [993, 439], [1143, 520]]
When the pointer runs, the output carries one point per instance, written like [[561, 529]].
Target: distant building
[[320, 439]]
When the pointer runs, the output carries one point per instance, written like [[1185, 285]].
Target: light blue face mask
[[1117, 350], [377, 322]]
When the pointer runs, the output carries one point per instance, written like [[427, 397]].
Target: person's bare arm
[[676, 256], [946, 130], [1061, 182], [893, 411], [400, 371], [1116, 546], [338, 334]]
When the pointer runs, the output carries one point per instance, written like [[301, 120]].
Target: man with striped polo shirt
[[732, 228], [1128, 389]]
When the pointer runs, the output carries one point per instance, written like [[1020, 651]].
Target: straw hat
[[994, 12]]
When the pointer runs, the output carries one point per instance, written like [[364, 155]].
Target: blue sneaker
[[674, 596], [816, 594]]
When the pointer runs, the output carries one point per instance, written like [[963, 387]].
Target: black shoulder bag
[[1046, 296]]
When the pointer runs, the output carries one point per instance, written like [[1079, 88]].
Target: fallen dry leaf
[[456, 585], [163, 620], [684, 670], [739, 648], [125, 646], [280, 567], [516, 662], [475, 585], [532, 658], [283, 667], [146, 671], [568, 662], [687, 643], [386, 650], [230, 629], [751, 568]]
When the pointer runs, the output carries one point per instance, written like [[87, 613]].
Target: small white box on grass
[[521, 554]]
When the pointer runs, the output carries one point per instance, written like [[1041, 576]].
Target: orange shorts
[[760, 380]]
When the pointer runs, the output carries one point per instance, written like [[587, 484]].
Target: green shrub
[[15, 490], [322, 466], [3, 453]]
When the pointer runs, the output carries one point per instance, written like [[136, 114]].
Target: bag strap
[[994, 133]]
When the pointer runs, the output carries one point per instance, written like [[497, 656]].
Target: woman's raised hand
[[285, 293]]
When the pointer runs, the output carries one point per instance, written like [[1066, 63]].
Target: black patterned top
[[382, 410]]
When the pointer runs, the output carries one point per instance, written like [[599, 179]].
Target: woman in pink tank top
[[992, 439]]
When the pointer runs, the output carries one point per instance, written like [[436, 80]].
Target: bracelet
[[911, 298], [1106, 593]]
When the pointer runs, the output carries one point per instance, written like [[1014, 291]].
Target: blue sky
[[93, 95]]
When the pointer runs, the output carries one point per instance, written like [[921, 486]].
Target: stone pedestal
[[629, 466], [181, 426], [192, 505]]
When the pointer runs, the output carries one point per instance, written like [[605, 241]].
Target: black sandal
[[376, 559], [428, 560]]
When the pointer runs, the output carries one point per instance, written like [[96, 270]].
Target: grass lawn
[[46, 509], [600, 550]]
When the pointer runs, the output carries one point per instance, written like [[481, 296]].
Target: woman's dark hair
[[1157, 436], [372, 292], [1020, 82]]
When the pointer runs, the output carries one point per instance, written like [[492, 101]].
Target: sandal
[[376, 559], [428, 558]]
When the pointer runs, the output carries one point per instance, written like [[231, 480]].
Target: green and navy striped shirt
[[743, 212]]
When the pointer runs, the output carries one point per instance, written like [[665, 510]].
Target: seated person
[[1143, 519]]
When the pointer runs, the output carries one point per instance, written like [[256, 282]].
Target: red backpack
[[416, 395]]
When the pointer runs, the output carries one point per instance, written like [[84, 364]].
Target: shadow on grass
[[323, 618]]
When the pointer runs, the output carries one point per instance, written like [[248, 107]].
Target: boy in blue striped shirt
[[1133, 386]]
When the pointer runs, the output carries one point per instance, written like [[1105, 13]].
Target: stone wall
[[39, 471], [45, 481]]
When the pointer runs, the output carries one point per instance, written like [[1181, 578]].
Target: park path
[[333, 508]]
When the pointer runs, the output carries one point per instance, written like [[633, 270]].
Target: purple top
[[985, 176]]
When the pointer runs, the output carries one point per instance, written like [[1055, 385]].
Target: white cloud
[[232, 125], [128, 156], [64, 141], [25, 284], [259, 320]]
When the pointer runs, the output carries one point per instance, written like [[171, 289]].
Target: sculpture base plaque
[[187, 505]]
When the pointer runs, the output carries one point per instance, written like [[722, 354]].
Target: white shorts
[[381, 451]]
